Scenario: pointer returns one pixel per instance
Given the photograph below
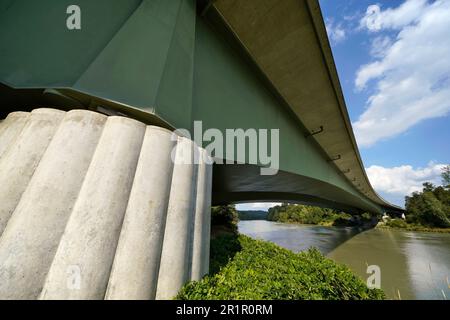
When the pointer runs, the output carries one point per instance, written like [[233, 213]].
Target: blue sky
[[393, 61]]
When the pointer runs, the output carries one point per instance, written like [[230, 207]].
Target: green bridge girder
[[168, 63]]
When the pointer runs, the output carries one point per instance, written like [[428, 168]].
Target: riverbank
[[244, 268], [365, 224], [398, 224], [345, 223], [307, 215], [413, 265]]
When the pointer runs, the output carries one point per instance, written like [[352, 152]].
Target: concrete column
[[18, 163], [10, 129], [95, 207], [135, 270], [175, 264], [92, 233], [202, 219], [32, 235]]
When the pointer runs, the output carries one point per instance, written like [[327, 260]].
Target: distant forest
[[252, 215]]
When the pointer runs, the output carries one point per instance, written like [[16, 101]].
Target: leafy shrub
[[366, 216], [223, 249], [397, 223], [225, 216], [262, 270]]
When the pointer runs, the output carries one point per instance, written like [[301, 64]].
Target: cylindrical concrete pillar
[[10, 129], [202, 219], [175, 264], [135, 270], [18, 164], [90, 239], [32, 235], [99, 207]]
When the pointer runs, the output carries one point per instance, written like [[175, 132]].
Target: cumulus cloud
[[375, 19], [403, 180], [410, 72], [380, 46], [336, 31]]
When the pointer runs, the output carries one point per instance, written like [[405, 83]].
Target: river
[[413, 265]]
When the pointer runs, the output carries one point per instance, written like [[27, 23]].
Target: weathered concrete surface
[[101, 210], [136, 265], [175, 264], [10, 129], [33, 233], [92, 232], [202, 225], [17, 165]]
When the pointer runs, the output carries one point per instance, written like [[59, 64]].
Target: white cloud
[[257, 206], [380, 46], [409, 12], [411, 73], [336, 32], [403, 180]]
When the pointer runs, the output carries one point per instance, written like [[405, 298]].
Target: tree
[[428, 187], [433, 212], [225, 216], [446, 176], [428, 208]]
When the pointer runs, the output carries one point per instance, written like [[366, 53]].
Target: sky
[[393, 61]]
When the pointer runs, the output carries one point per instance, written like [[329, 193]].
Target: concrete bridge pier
[[94, 207]]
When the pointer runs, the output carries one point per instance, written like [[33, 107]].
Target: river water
[[413, 265]]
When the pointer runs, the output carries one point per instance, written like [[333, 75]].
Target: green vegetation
[[403, 225], [396, 223], [243, 268], [224, 219], [446, 176], [252, 215], [295, 213], [428, 210]]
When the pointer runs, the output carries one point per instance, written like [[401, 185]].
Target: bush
[[225, 216], [223, 249], [262, 270], [397, 223]]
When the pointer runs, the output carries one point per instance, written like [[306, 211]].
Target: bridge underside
[[243, 183], [88, 192], [170, 63], [232, 183]]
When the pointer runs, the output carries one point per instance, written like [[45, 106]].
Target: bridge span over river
[[94, 203]]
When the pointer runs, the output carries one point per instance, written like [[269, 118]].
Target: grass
[[244, 268]]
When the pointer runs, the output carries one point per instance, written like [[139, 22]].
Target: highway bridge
[[92, 206]]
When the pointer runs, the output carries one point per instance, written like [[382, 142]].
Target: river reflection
[[413, 265], [298, 237]]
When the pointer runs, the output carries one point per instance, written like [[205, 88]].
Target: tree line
[[428, 208], [431, 206]]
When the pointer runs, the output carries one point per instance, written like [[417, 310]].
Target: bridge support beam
[[103, 212]]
